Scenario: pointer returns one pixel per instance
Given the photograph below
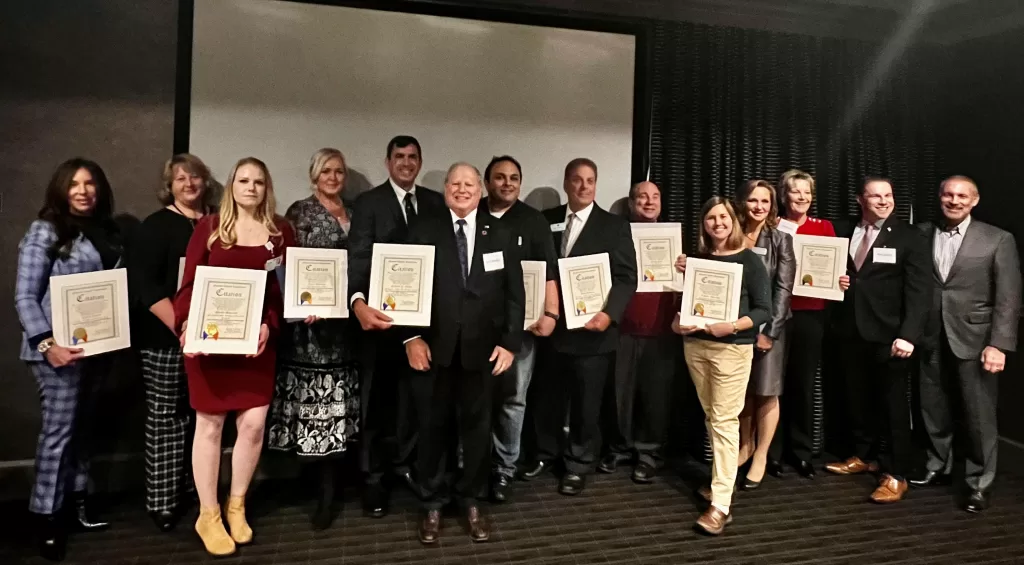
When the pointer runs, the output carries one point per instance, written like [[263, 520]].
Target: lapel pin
[[483, 232], [888, 229]]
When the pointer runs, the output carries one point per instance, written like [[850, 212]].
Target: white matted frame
[[586, 282], [535, 283], [402, 282], [711, 292], [226, 311], [315, 283], [657, 245], [820, 261], [90, 311]]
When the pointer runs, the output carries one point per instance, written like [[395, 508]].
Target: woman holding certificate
[[316, 398], [757, 206], [719, 354], [74, 234], [246, 234], [153, 276]]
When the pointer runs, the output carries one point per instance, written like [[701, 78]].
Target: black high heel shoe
[[52, 538], [165, 520], [84, 519]]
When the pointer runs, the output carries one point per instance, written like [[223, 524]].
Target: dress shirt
[[947, 245], [400, 195], [858, 236], [470, 230], [572, 232]]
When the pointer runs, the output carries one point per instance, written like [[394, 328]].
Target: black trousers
[[576, 383], [877, 408], [954, 389], [466, 394], [795, 438], [638, 400]]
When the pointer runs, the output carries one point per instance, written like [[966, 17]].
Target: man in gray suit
[[976, 310]]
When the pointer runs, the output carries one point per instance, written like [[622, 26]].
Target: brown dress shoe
[[889, 490], [713, 521], [430, 527], [852, 466], [479, 529]]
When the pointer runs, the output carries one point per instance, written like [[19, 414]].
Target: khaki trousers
[[720, 372]]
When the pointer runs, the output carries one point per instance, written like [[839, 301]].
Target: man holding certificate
[[476, 328], [583, 357]]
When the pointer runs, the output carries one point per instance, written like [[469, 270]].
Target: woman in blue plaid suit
[[75, 233]]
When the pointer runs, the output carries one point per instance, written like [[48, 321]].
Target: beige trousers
[[720, 371]]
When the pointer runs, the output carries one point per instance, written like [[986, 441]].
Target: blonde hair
[[744, 192], [735, 239], [318, 162], [460, 164], [786, 182], [192, 165], [265, 213]]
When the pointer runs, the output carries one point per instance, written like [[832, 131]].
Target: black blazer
[[487, 311], [603, 233], [377, 218], [888, 301]]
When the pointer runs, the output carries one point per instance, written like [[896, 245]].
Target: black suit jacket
[[888, 301], [603, 233], [484, 312], [378, 218]]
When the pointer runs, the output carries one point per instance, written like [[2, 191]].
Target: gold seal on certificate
[[586, 282], [402, 282], [820, 261], [315, 283], [226, 311], [534, 281], [90, 310], [657, 245], [711, 292]]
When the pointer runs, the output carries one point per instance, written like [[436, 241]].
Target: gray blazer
[[979, 302], [780, 263]]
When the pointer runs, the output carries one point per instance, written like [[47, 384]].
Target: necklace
[[190, 220]]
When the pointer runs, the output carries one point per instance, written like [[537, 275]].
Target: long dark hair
[[57, 211]]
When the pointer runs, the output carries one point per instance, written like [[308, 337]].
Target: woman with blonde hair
[[315, 411], [719, 355], [245, 234]]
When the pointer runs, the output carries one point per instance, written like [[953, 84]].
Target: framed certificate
[[657, 245], [402, 282], [316, 283], [535, 281], [90, 311], [711, 292], [226, 311], [820, 261], [586, 282]]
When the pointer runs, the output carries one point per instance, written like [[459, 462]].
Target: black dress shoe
[[932, 479], [375, 501], [610, 462], [571, 484], [533, 471], [774, 468], [806, 469], [84, 519], [165, 520], [52, 538], [643, 473], [500, 488], [976, 502]]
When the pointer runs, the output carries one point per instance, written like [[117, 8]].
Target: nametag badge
[[759, 250], [274, 263], [559, 227], [786, 226], [494, 261], [884, 255], [520, 241]]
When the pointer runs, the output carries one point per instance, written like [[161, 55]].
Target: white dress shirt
[[400, 195], [470, 230], [947, 245], [572, 233]]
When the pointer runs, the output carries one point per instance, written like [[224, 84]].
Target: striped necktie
[[566, 235]]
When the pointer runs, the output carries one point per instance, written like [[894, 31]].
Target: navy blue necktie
[[463, 245]]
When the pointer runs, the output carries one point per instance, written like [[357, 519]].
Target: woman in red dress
[[246, 234]]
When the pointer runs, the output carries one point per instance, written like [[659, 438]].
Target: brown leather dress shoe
[[852, 466], [713, 521], [430, 527], [889, 490], [479, 529]]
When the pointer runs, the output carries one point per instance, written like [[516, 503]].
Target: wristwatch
[[45, 345], [735, 328], [551, 315]]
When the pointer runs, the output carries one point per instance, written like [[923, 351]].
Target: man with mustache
[[973, 325], [879, 324]]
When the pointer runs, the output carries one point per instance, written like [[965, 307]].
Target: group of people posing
[[443, 409]]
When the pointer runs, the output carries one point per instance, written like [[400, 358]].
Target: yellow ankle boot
[[211, 530], [234, 511]]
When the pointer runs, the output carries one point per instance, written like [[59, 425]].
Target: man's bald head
[[645, 202]]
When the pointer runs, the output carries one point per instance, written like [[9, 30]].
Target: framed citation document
[[402, 282], [316, 283], [820, 261], [657, 245], [90, 311], [586, 282], [226, 311], [711, 292], [535, 281]]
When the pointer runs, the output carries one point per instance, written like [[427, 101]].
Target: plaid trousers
[[61, 453], [168, 426]]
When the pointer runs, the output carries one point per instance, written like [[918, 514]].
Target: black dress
[[315, 411]]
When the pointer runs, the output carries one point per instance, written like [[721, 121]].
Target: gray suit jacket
[[979, 302], [780, 262]]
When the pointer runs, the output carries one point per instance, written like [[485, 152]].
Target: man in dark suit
[[582, 358], [476, 327], [392, 397], [879, 324], [973, 325]]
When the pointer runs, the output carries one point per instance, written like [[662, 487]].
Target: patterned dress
[[315, 412]]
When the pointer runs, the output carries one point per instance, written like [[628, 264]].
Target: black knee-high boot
[[326, 474]]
